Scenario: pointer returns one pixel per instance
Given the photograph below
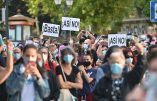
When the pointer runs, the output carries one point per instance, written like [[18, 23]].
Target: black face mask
[[86, 64]]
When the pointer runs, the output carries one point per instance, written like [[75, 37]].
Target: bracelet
[[10, 52]]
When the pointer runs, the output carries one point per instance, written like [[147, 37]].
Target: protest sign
[[50, 29], [117, 39], [71, 24]]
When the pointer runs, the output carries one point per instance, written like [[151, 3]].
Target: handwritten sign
[[50, 29], [71, 24]]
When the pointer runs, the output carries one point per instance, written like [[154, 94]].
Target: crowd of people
[[87, 70]]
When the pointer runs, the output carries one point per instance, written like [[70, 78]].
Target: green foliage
[[1, 3], [102, 15]]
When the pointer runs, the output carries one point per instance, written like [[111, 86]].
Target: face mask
[[86, 64], [40, 63], [129, 60], [116, 68], [145, 50], [17, 56], [55, 52], [68, 58], [46, 45], [44, 57], [85, 46], [104, 52]]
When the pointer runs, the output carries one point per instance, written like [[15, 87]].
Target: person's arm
[[92, 38], [87, 78], [99, 74], [78, 84], [5, 72], [43, 86], [41, 81], [79, 35], [15, 82], [99, 51], [69, 85], [63, 85], [135, 76]]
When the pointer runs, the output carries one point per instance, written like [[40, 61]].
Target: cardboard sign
[[117, 39], [50, 29], [71, 24]]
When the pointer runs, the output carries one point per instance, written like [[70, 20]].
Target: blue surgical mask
[[68, 58], [85, 46], [104, 52], [17, 56], [116, 68]]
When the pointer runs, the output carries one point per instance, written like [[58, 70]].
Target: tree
[[101, 15], [142, 7]]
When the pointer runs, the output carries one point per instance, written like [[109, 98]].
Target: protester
[[2, 60], [83, 35], [129, 59], [48, 69], [101, 52], [5, 72], [89, 78], [17, 54], [72, 79], [115, 85], [105, 68], [87, 46], [147, 90], [28, 82], [53, 50], [49, 64], [52, 79], [4, 54]]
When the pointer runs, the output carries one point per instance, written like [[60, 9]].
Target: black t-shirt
[[71, 78]]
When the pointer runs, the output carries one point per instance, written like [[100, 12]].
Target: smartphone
[[32, 63]]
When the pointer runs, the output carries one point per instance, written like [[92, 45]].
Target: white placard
[[3, 14], [50, 29], [71, 24], [117, 39]]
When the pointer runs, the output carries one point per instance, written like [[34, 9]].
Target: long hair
[[49, 58], [69, 50], [21, 61]]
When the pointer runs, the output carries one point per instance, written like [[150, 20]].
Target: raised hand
[[10, 45]]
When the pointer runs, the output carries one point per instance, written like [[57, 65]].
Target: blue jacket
[[15, 82]]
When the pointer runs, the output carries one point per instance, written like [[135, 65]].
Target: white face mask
[[45, 57], [40, 63], [129, 60], [85, 46]]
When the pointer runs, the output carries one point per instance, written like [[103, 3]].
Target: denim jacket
[[15, 82]]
